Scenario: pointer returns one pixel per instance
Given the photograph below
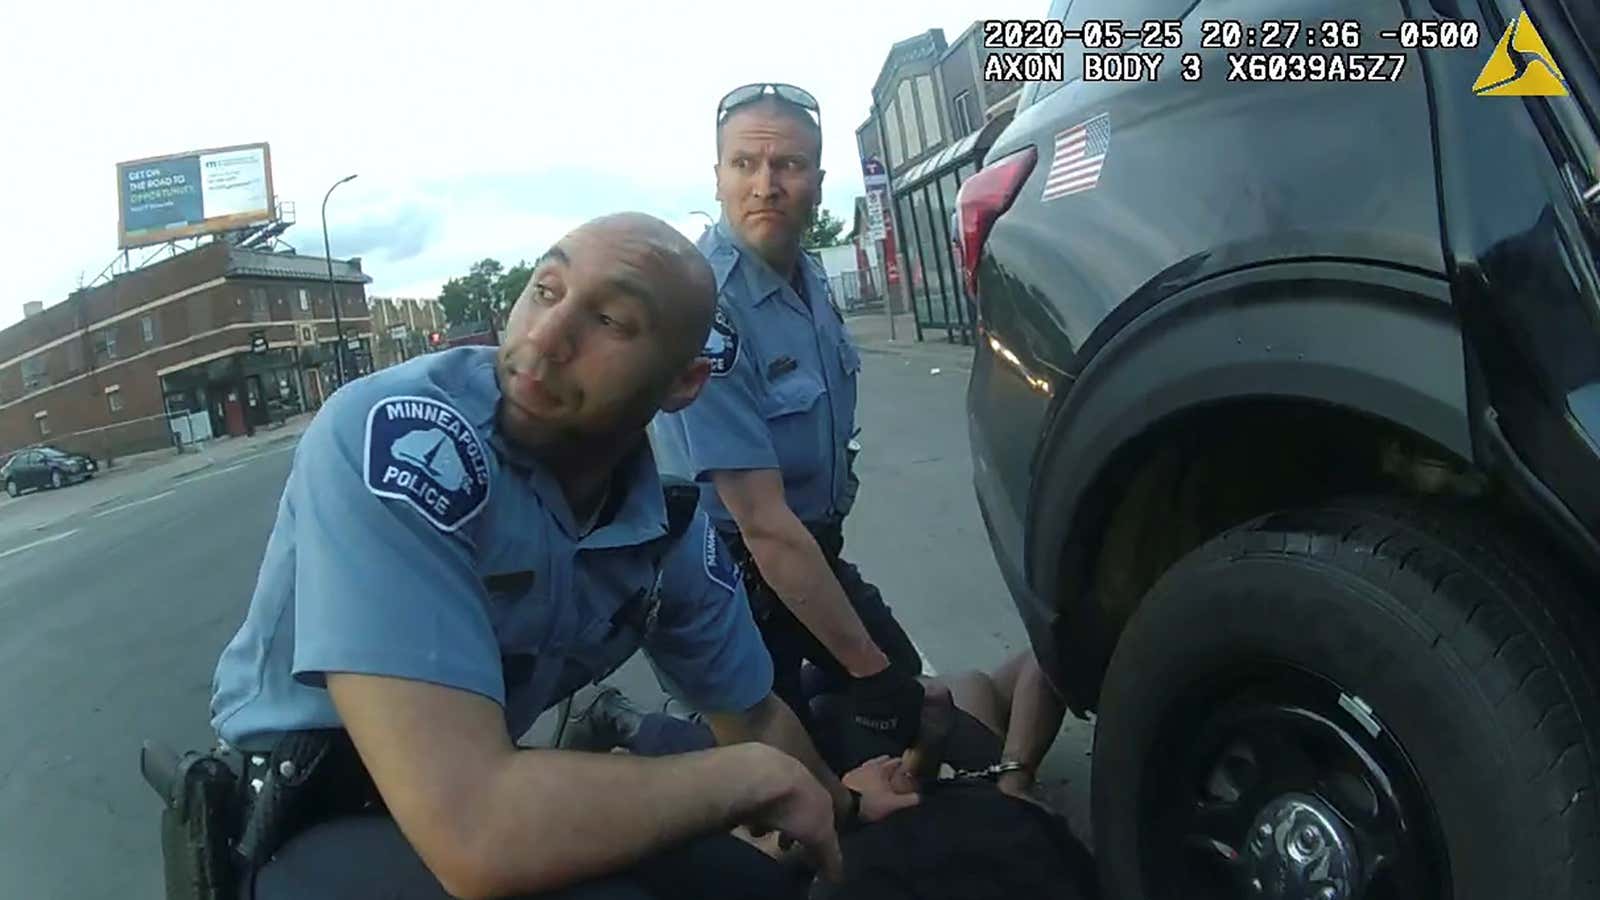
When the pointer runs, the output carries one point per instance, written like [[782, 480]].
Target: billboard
[[205, 191]]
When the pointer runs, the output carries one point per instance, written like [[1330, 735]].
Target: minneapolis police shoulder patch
[[422, 451], [722, 344], [719, 564]]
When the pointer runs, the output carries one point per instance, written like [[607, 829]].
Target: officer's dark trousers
[[366, 857], [791, 644]]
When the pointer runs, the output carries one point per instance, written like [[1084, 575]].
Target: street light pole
[[333, 289], [710, 222]]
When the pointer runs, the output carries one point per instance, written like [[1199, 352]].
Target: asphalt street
[[112, 617]]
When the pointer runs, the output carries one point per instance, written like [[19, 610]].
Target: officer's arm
[[793, 564], [390, 617], [491, 820], [773, 723], [707, 651]]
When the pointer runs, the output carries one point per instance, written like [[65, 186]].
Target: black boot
[[601, 718]]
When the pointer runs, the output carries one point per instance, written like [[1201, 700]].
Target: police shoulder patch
[[719, 563], [420, 450], [722, 344]]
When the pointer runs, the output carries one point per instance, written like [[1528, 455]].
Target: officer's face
[[768, 180], [600, 339]]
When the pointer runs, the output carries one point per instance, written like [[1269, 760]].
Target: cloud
[[392, 239], [462, 120]]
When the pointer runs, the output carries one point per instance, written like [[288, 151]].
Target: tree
[[509, 286], [485, 294], [824, 231], [475, 297], [456, 299]]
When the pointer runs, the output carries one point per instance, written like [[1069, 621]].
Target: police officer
[[465, 539], [773, 431]]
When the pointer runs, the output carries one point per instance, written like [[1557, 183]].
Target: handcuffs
[[992, 772]]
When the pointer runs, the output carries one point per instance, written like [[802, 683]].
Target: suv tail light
[[981, 200]]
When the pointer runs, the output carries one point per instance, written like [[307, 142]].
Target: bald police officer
[[463, 540], [773, 430]]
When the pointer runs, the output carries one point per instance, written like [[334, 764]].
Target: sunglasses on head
[[750, 93]]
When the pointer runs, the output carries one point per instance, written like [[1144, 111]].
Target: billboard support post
[[333, 288]]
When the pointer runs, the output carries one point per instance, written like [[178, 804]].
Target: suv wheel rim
[[1287, 789], [55, 479]]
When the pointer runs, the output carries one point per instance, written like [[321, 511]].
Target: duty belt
[[307, 777]]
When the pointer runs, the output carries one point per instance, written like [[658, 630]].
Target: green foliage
[[485, 294], [824, 231]]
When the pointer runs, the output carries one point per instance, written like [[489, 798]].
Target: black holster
[[199, 818], [307, 777]]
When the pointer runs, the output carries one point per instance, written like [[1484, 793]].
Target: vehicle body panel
[[1259, 240]]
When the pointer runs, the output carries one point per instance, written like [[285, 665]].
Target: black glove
[[888, 703]]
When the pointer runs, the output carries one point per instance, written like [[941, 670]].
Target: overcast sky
[[477, 129]]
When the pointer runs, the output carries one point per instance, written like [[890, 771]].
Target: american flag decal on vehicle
[[1080, 151]]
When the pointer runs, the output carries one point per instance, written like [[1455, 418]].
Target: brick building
[[402, 327], [216, 340]]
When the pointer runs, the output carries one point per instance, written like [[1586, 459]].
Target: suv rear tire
[[1367, 674]]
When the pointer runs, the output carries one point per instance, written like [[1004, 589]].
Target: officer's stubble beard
[[582, 445]]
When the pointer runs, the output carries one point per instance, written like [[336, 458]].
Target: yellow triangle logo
[[1521, 65]]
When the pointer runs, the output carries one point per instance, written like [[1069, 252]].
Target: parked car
[[40, 467], [1285, 424]]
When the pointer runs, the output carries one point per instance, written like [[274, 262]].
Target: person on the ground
[[463, 540], [979, 831], [981, 740], [1007, 718], [772, 437]]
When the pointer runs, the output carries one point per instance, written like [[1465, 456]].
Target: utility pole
[[333, 288]]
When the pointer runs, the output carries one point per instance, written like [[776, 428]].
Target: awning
[[968, 150]]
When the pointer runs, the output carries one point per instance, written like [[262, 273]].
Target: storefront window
[[891, 128], [929, 105], [908, 120]]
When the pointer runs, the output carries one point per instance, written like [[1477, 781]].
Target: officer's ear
[[687, 385]]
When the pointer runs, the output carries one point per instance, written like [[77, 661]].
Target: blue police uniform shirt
[[782, 392], [413, 541]]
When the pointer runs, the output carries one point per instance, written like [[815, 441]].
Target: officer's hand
[[802, 814], [888, 703], [880, 786]]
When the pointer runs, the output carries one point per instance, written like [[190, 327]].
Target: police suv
[[1285, 421]]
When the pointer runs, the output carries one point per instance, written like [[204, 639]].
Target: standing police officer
[[464, 540], [773, 430]]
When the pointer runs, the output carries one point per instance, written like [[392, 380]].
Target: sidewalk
[[138, 472], [871, 332]]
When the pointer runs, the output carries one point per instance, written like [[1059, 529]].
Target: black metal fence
[[924, 200]]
